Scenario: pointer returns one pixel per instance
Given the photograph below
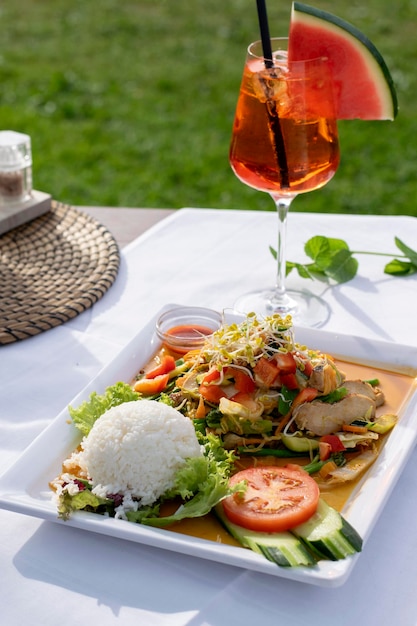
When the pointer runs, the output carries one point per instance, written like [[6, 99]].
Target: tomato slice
[[276, 498], [167, 365]]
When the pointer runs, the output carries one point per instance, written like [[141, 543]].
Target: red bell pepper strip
[[212, 393], [212, 376], [243, 381], [308, 394], [325, 450], [285, 362], [266, 371], [289, 381], [334, 441], [151, 386], [167, 365], [246, 399]]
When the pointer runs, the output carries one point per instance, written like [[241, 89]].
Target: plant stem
[[397, 256]]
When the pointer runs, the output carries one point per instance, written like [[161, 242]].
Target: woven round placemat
[[52, 269]]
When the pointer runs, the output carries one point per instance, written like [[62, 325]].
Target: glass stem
[[283, 205]]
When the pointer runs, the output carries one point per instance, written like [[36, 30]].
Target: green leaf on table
[[290, 265], [343, 267], [332, 257], [408, 252], [303, 270], [333, 260], [321, 245], [396, 267]]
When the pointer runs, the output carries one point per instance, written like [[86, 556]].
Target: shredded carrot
[[352, 428], [180, 381], [201, 409], [191, 355], [327, 468], [282, 423]]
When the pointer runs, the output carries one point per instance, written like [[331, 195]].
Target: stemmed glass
[[284, 142]]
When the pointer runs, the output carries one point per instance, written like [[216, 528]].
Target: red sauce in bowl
[[190, 335], [186, 328]]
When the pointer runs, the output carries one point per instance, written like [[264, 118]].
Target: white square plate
[[24, 486]]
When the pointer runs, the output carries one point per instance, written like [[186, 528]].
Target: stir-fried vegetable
[[263, 394]]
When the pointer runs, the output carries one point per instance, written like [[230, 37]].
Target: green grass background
[[130, 102]]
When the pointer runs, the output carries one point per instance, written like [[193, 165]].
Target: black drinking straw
[[264, 28], [280, 154]]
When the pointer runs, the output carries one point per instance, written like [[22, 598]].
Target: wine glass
[[284, 142]]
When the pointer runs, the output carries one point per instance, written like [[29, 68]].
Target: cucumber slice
[[383, 423], [284, 549], [328, 534], [298, 443]]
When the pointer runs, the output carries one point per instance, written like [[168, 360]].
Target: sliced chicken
[[323, 418], [365, 389], [326, 378]]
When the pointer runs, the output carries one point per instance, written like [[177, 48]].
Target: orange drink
[[284, 142], [302, 154]]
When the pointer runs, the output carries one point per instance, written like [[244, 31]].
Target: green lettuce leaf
[[285, 399], [67, 503], [84, 416], [202, 483]]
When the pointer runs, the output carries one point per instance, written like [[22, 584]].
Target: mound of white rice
[[136, 449]]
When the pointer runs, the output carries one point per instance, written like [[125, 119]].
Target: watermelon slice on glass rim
[[363, 86]]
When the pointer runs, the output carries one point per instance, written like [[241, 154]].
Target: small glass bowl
[[186, 328]]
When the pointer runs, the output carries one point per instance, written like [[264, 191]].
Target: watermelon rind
[[377, 70]]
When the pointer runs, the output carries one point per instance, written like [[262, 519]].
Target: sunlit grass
[[130, 103]]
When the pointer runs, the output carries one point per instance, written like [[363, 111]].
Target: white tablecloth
[[51, 574]]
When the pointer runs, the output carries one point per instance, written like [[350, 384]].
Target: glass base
[[305, 308]]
